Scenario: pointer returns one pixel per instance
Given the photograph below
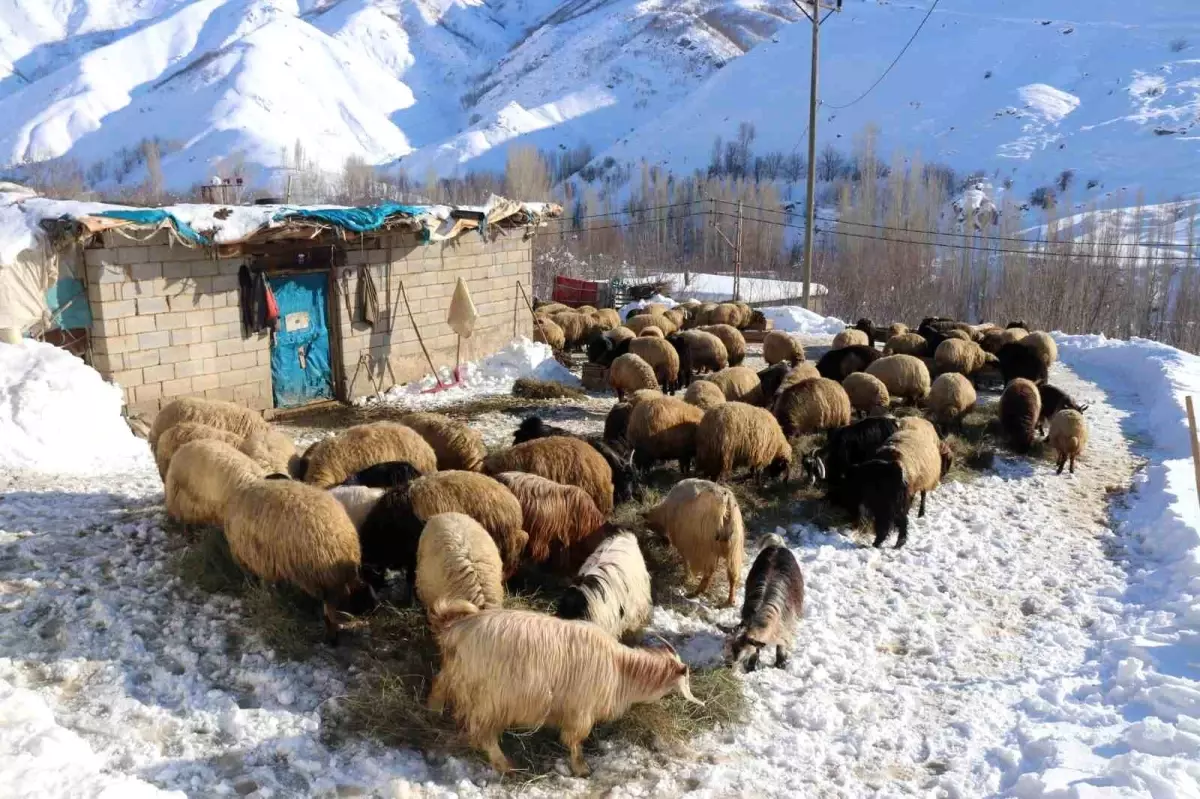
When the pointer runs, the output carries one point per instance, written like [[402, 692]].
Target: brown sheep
[[183, 433], [708, 352], [481, 497], [571, 461], [1020, 405], [562, 520], [609, 318], [950, 398], [704, 394], [734, 435], [547, 331], [458, 560], [963, 357], [660, 355], [651, 331], [850, 337], [286, 531], [630, 373], [664, 429], [455, 444], [726, 314], [619, 334], [780, 346], [897, 329], [957, 334], [906, 344], [678, 317], [1068, 436], [202, 477], [577, 328], [866, 392], [812, 406], [332, 461], [639, 323], [1041, 343], [905, 376], [214, 413], [551, 308], [732, 338], [738, 383]]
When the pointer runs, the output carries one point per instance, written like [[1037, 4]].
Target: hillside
[[440, 83], [1018, 89]]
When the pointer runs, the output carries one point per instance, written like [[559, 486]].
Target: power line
[[567, 218], [895, 61]]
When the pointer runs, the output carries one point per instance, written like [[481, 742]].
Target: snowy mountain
[[1019, 88]]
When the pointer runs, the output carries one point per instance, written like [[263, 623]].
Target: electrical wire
[[895, 61]]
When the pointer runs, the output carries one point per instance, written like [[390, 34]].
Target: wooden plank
[[1191, 413]]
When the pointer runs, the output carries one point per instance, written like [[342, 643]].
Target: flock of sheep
[[422, 496]]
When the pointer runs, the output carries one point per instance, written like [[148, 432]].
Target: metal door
[[300, 363]]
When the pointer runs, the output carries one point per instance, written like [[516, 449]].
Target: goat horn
[[820, 466], [667, 644], [685, 689]]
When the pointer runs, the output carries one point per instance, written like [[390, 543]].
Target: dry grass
[[529, 388]]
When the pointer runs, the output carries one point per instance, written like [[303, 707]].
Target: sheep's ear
[[681, 668]]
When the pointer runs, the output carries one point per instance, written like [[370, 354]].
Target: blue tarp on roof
[[156, 216], [359, 220]]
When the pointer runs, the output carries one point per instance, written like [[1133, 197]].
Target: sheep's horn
[[667, 644]]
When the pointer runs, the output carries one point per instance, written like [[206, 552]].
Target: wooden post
[[1191, 412], [417, 330]]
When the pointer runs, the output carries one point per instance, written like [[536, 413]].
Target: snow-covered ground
[[1035, 638]]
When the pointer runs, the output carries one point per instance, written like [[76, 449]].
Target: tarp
[[156, 217], [358, 220]]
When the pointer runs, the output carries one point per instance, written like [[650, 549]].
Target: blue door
[[300, 369]]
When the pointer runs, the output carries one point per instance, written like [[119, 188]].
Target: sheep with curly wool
[[564, 460], [183, 433], [629, 373], [812, 406], [288, 531], [609, 318], [639, 323], [228, 416], [851, 337], [905, 376], [577, 328], [780, 346], [707, 352], [455, 444], [961, 356], [951, 397], [838, 363], [516, 668], [615, 454], [611, 589], [1068, 436], [736, 435], [1043, 344], [866, 392], [773, 605], [906, 344], [664, 429], [458, 560], [336, 458], [651, 331], [732, 338], [1020, 406], [616, 423], [911, 462], [561, 519], [737, 383], [202, 477], [704, 394], [547, 331], [703, 521], [1019, 360], [272, 449], [725, 314]]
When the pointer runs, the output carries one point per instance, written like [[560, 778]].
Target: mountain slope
[[1007, 86]]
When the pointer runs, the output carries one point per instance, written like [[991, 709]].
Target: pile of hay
[[530, 388]]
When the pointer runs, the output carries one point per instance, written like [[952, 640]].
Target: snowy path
[[919, 670]]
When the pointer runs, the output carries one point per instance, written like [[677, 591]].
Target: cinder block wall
[[167, 324], [491, 268]]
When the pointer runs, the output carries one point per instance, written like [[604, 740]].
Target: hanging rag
[[263, 310], [246, 299], [271, 306], [368, 298]]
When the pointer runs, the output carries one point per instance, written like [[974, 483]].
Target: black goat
[[880, 487], [774, 603], [836, 364], [1054, 399], [1019, 360], [849, 446]]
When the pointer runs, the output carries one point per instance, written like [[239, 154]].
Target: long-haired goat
[[773, 605], [703, 522], [515, 668], [612, 589]]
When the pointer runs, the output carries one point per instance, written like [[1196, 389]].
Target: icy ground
[[1010, 648]]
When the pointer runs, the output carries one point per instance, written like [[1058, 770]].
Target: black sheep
[[599, 350], [770, 379], [1054, 399], [533, 427], [1019, 360], [774, 603], [1021, 325], [836, 364], [389, 537], [385, 475], [866, 326], [617, 423], [686, 368]]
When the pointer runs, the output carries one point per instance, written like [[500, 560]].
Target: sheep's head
[[778, 468], [530, 428]]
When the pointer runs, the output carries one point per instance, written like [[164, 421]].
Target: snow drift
[[58, 415]]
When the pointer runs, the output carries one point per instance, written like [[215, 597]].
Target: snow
[[794, 319], [58, 415], [490, 376], [1035, 638], [637, 305]]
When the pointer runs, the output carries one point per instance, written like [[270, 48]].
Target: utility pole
[[810, 203], [735, 244]]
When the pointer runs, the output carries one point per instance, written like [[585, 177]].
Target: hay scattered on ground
[[529, 388]]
